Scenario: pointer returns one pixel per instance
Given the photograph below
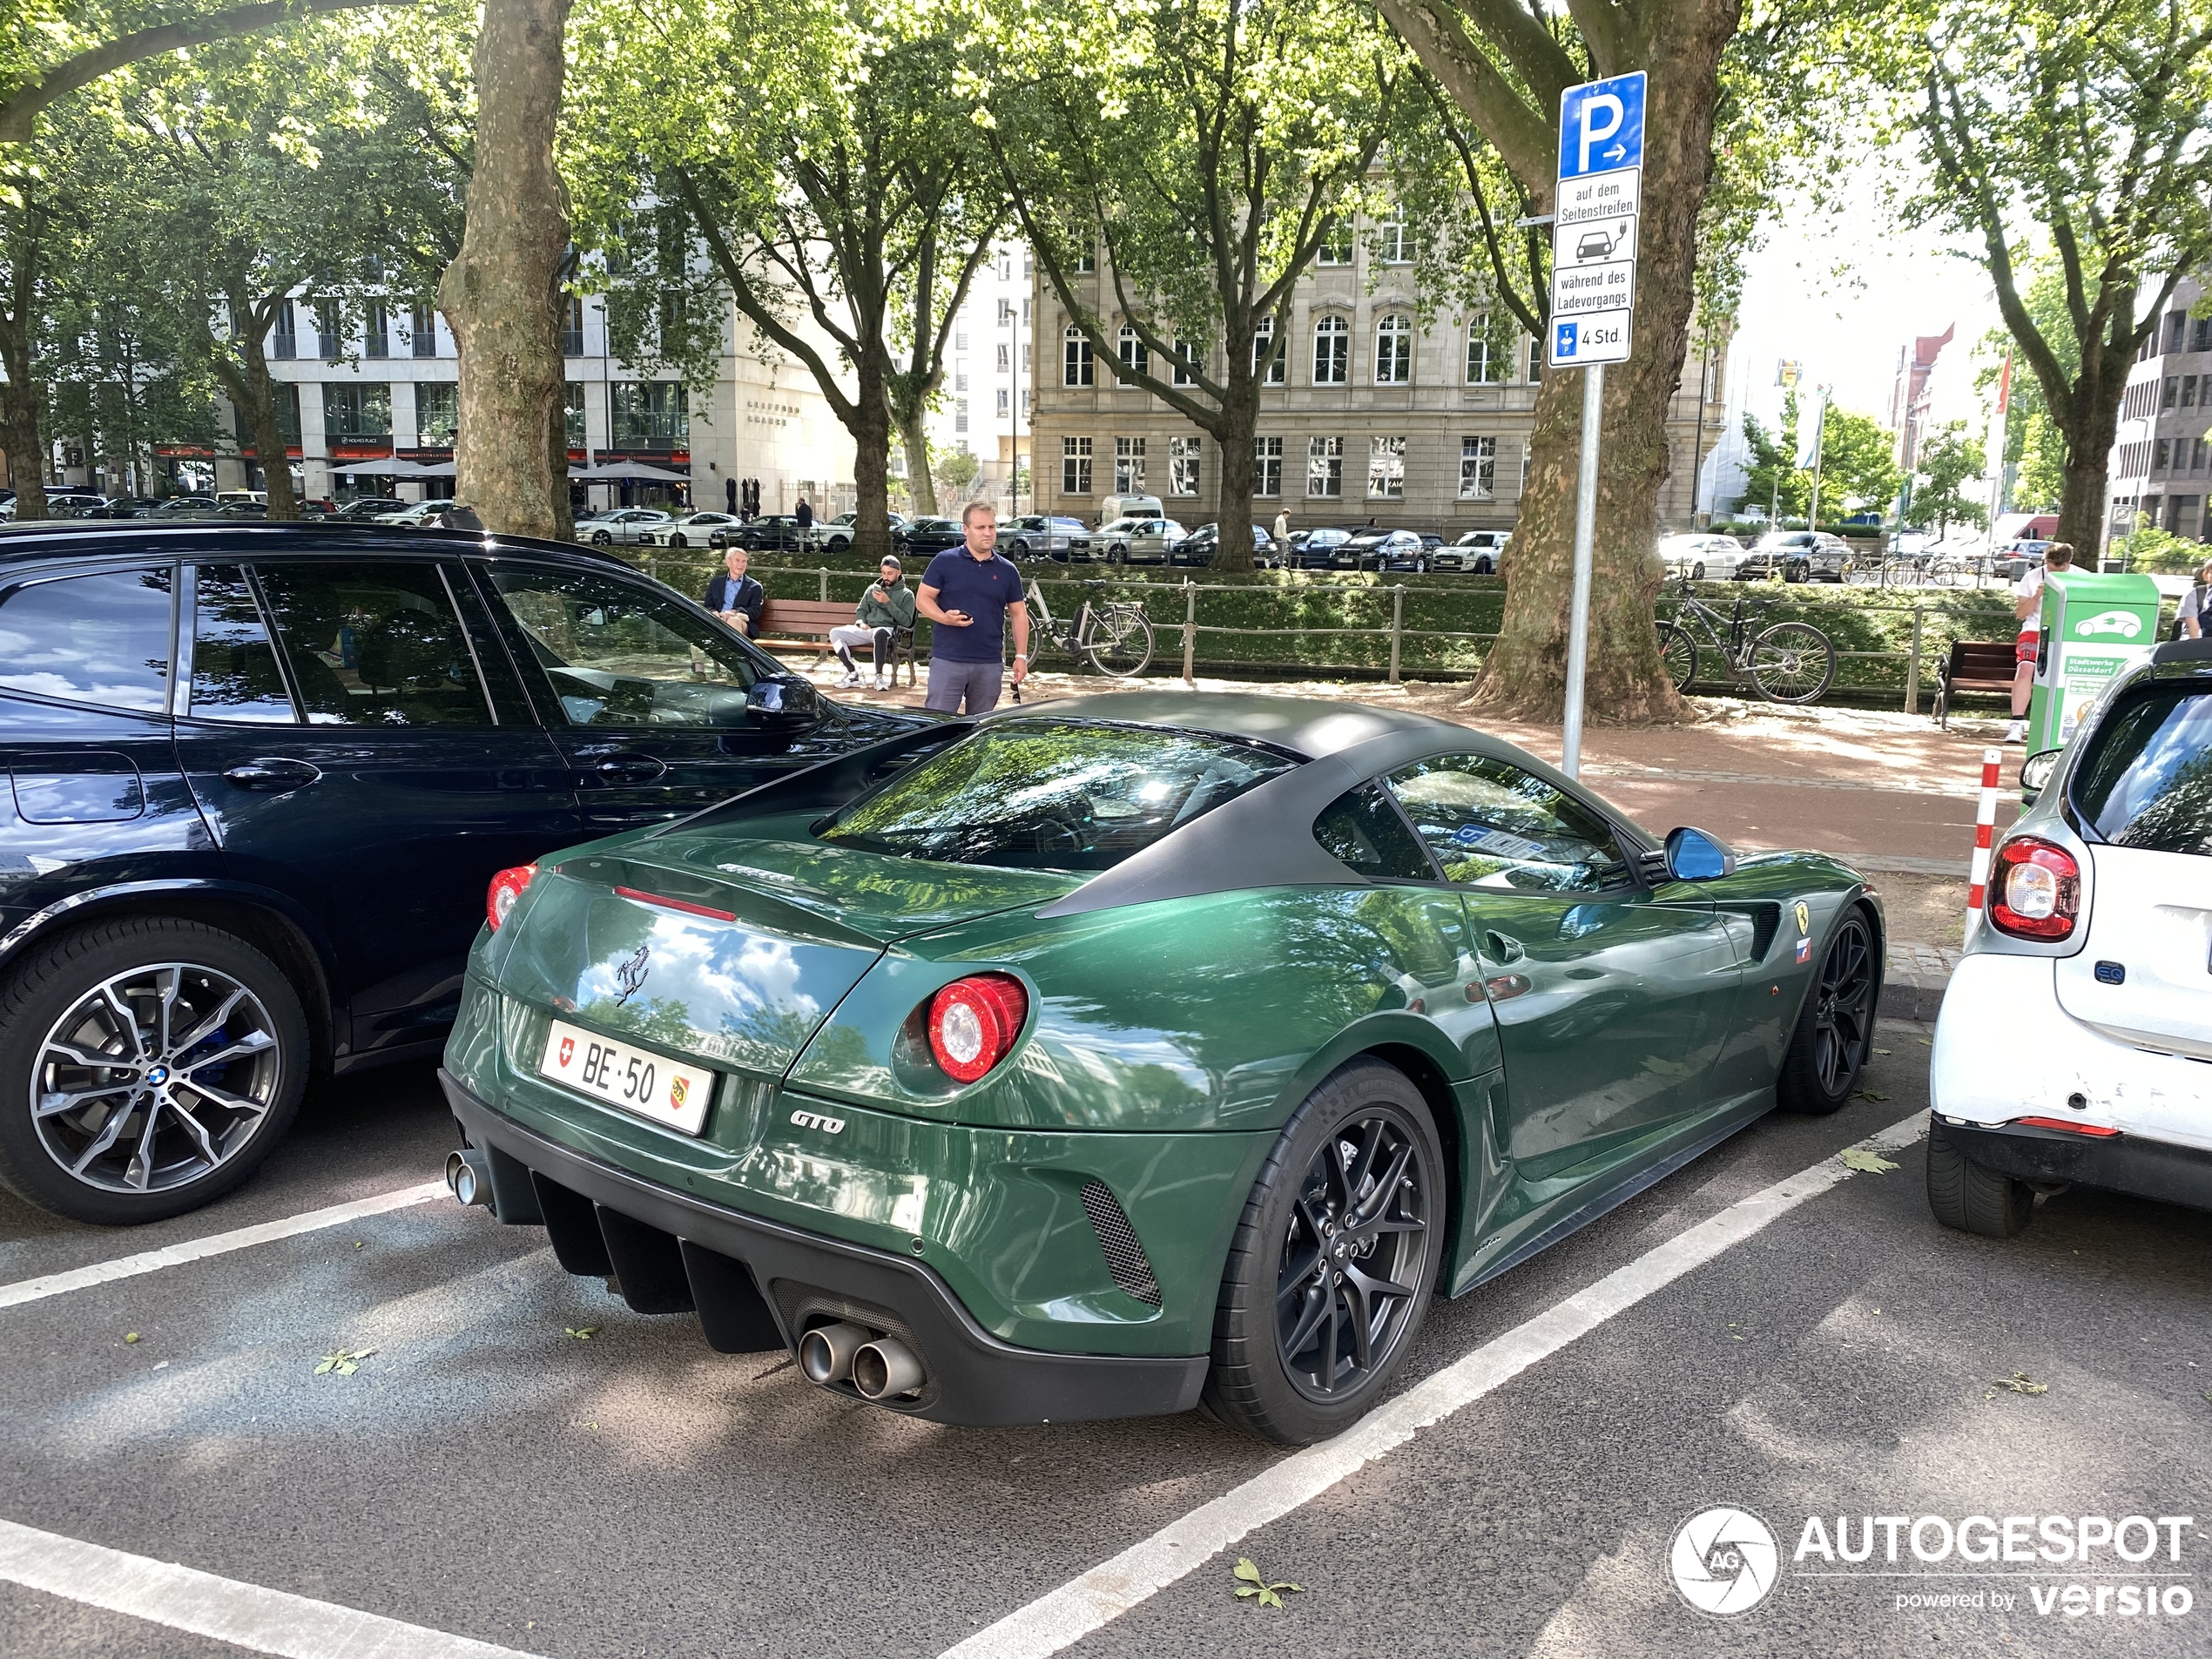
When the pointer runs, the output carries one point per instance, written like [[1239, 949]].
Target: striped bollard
[[1985, 834]]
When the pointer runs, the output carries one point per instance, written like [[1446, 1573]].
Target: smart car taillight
[[505, 888], [2035, 890], [974, 1022]]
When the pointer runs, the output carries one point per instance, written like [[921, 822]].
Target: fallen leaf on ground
[[130, 1336], [342, 1363], [2019, 1383], [1255, 1584], [1883, 1051], [1870, 1094], [1858, 1158], [581, 1333]]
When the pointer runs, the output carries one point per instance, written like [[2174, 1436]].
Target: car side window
[[1362, 829], [374, 644], [621, 654], [234, 672], [1492, 825], [101, 638]]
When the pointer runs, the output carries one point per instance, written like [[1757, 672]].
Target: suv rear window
[[2146, 780]]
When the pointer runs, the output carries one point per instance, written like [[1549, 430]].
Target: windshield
[[2146, 780], [1052, 795]]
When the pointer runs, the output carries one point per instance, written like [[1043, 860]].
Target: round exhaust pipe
[[468, 1174], [825, 1352], [886, 1368]]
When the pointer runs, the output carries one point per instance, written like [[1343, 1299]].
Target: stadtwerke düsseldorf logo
[[1724, 1561]]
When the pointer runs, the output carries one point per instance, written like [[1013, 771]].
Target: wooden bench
[[804, 624], [1982, 668]]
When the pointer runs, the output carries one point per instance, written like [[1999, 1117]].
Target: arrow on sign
[[1615, 152]]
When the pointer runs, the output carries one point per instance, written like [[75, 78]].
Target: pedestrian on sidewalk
[[2027, 606], [803, 514], [885, 611], [971, 593], [2194, 616], [1282, 530]]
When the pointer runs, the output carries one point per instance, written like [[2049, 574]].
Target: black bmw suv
[[254, 780]]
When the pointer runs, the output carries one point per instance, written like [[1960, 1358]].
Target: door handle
[[1504, 949], [272, 774], [631, 769]]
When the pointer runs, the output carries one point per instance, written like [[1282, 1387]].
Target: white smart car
[[2075, 1039]]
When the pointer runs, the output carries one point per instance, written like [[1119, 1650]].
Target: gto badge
[[1805, 917], [630, 973], [815, 1119]]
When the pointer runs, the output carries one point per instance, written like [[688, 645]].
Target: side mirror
[[783, 699], [1692, 856], [2036, 770]]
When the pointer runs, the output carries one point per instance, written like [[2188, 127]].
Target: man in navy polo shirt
[[969, 593]]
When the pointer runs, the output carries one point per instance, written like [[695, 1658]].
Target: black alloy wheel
[[678, 541], [1835, 1028]]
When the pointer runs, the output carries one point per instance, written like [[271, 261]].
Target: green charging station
[[2095, 627]]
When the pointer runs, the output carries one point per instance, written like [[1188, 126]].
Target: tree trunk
[[247, 381], [19, 421], [2087, 416], [872, 465], [914, 438], [494, 292], [1232, 434], [1525, 675]]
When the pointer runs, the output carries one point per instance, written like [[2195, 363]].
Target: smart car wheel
[[1333, 1261], [1837, 1023], [1962, 1194], [146, 1067]]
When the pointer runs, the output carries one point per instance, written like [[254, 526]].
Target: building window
[[1128, 466], [1267, 468], [1183, 466], [1393, 245], [1004, 266], [1086, 263], [1486, 366], [1331, 351], [422, 330], [437, 413], [2173, 389], [357, 409], [1478, 469], [1536, 361], [1005, 357], [1324, 469], [1394, 350], [2197, 456], [572, 416], [572, 327], [1006, 313], [2176, 323], [1135, 359], [2165, 455], [284, 339], [2201, 335], [1187, 354], [648, 415], [1386, 469], [1335, 244], [1025, 402], [959, 374], [1528, 455], [1076, 368], [376, 331], [328, 347], [959, 414], [1263, 346], [1003, 396], [960, 336], [1075, 466], [2188, 391]]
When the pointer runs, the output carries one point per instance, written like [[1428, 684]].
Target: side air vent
[[1766, 921], [1125, 1258]]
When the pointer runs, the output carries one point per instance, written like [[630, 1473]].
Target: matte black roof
[[79, 538], [1313, 727]]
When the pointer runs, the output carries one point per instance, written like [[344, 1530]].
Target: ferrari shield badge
[[1804, 918]]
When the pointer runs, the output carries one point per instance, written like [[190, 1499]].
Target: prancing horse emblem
[[631, 973]]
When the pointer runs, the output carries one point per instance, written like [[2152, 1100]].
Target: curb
[[1908, 994]]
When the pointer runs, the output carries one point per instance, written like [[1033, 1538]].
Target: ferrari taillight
[[2035, 890], [506, 889], [973, 1023]]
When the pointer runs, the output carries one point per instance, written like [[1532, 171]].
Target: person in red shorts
[[2028, 605]]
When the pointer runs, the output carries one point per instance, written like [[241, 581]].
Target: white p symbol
[[1593, 134]]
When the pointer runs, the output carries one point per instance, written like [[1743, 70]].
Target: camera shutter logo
[[1724, 1561]]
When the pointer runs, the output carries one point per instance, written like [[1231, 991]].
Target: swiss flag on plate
[[568, 1049]]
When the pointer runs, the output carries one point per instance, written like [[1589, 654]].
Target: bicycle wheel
[[1792, 662], [1118, 641], [1679, 652]]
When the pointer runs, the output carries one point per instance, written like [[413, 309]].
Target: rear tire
[[1118, 643], [1835, 1028], [1793, 662], [1306, 1341], [1963, 1195]]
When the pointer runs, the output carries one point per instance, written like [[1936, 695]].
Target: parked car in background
[[1476, 553], [244, 510], [1375, 549], [1116, 507], [924, 538], [420, 514], [1198, 547], [195, 507], [617, 526], [693, 529], [1139, 541], [370, 506], [1039, 536], [2015, 559], [1312, 549], [125, 507], [1796, 556], [1703, 557], [770, 533], [212, 888]]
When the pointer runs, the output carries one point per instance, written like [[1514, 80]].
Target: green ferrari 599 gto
[[1117, 1056]]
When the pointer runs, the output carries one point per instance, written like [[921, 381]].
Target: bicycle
[[1791, 662], [1114, 635]]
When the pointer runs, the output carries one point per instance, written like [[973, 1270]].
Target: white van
[[1116, 507]]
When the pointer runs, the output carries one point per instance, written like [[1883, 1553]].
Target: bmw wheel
[[146, 1068], [1836, 1026], [1333, 1262]]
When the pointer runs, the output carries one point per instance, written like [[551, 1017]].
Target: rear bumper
[[757, 1285], [2122, 1162]]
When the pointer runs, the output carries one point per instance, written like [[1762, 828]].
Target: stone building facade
[[1377, 411], [2161, 454]]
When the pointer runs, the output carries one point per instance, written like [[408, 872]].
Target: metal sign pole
[[1578, 624]]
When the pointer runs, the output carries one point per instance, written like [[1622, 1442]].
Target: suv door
[[1614, 1000], [341, 735], [650, 702]]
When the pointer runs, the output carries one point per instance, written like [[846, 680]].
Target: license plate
[[672, 1093]]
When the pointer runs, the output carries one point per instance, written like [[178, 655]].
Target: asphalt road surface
[[1815, 1348]]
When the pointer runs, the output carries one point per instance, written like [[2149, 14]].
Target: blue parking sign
[[1600, 125], [1564, 347]]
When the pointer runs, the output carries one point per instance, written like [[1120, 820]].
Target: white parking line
[[246, 1615], [78, 1278], [1062, 1617]]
